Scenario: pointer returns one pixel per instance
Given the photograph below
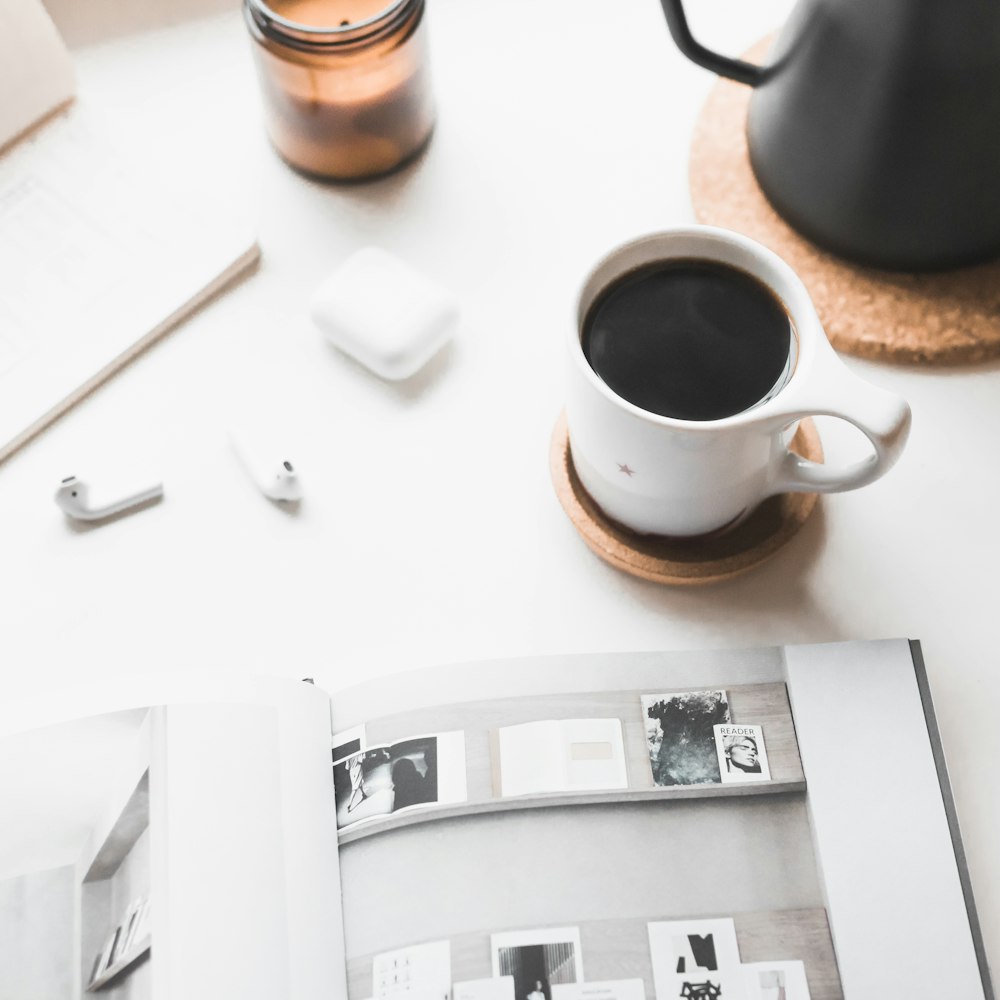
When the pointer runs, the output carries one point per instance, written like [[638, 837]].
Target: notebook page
[[99, 256], [36, 73]]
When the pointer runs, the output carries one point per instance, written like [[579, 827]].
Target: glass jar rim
[[333, 34]]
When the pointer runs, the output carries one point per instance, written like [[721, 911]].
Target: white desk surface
[[430, 531]]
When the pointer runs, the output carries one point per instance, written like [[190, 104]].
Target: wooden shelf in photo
[[619, 949], [760, 704], [551, 800], [117, 875], [139, 952], [127, 829]]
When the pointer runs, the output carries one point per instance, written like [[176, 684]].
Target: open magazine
[[769, 824]]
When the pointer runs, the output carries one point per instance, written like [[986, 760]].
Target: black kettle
[[874, 129]]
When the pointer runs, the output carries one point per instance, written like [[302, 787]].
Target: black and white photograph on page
[[347, 743], [741, 753], [382, 780], [679, 733], [538, 960], [696, 958]]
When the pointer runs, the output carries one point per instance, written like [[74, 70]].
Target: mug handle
[[882, 416], [735, 69]]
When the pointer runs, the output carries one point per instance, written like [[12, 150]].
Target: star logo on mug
[[624, 468]]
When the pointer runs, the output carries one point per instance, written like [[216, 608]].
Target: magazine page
[[182, 848], [624, 827]]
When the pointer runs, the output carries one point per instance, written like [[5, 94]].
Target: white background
[[430, 531]]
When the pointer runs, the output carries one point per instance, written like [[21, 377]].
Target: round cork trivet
[[684, 561], [942, 317]]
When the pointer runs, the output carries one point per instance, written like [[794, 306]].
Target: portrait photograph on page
[[741, 753], [680, 736], [538, 960]]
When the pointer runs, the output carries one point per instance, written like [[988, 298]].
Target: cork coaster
[[684, 562], [943, 317]]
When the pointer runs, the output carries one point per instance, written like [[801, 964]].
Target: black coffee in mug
[[689, 338]]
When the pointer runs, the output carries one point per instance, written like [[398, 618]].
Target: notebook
[[97, 258]]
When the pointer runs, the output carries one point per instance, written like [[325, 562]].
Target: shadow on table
[[769, 591]]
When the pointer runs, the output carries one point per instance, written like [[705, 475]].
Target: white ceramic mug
[[661, 475]]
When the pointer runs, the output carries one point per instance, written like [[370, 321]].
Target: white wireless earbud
[[272, 474], [73, 497]]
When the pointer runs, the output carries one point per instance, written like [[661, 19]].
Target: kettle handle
[[735, 69]]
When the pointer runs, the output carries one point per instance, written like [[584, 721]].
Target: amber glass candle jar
[[346, 82]]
